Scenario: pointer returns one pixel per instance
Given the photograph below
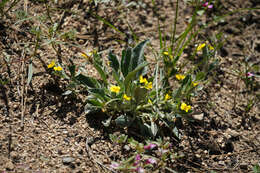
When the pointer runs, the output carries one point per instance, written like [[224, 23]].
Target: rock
[[198, 155], [243, 166], [233, 133], [9, 166], [198, 116], [67, 160], [90, 140], [221, 163], [106, 161], [127, 148], [14, 155]]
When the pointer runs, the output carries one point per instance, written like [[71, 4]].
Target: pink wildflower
[[210, 6], [249, 74], [150, 161], [137, 159], [206, 4], [140, 170], [150, 146], [114, 165], [162, 151]]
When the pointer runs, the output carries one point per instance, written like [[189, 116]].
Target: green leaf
[[91, 108], [99, 93], [124, 121], [94, 102], [154, 129], [200, 76], [138, 55], [125, 61], [87, 81], [140, 94], [256, 169], [30, 73], [107, 122], [117, 78], [186, 81], [114, 63], [113, 138], [213, 65], [72, 69], [132, 57], [175, 60], [101, 72], [122, 138], [132, 74], [146, 130], [200, 12], [2, 4], [68, 92], [176, 132]]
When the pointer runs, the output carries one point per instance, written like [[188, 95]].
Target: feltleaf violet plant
[[129, 97]]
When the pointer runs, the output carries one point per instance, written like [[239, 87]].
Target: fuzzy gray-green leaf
[[132, 74], [125, 61], [114, 63], [30, 74]]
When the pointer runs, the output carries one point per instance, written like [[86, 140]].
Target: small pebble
[[9, 166], [67, 160], [243, 166]]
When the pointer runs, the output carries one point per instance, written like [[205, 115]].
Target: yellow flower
[[166, 53], [179, 76], [59, 68], [185, 107], [201, 46], [150, 101], [211, 47], [149, 85], [126, 97], [52, 64], [143, 80], [167, 97], [87, 56], [115, 89], [194, 83]]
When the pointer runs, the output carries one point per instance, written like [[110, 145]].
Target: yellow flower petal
[[166, 53], [59, 68], [195, 84], [52, 64], [143, 80], [211, 48], [179, 76], [185, 107], [115, 89], [201, 46], [126, 97], [149, 85], [87, 55], [167, 97]]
